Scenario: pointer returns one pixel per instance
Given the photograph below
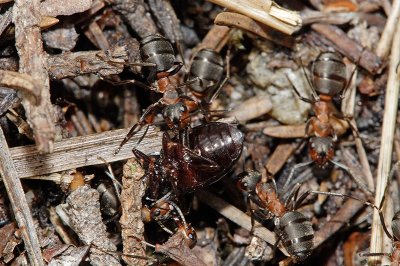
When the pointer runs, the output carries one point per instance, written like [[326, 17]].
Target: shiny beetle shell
[[158, 50], [297, 234], [329, 74], [208, 66]]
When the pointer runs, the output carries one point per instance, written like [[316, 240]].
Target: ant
[[158, 54], [328, 80], [164, 210], [292, 227]]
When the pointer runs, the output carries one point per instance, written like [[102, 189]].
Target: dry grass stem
[[242, 22], [388, 128], [81, 151], [348, 106], [19, 204], [266, 12], [383, 48]]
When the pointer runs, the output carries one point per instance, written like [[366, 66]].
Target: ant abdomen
[[208, 68], [219, 142], [157, 50], [296, 233], [329, 75], [396, 225]]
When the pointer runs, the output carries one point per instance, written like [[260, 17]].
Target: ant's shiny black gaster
[[208, 68], [158, 50], [329, 75]]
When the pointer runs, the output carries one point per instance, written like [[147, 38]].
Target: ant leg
[[175, 69], [340, 195], [348, 119], [146, 118], [275, 247], [123, 82], [308, 124], [290, 177], [292, 198], [227, 77], [163, 227], [358, 181], [352, 74], [375, 255], [180, 51], [304, 99], [252, 220]]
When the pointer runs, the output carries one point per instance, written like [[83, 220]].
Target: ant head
[[176, 115], [329, 75], [321, 150], [157, 50], [248, 180], [161, 211], [146, 215], [396, 225], [189, 234]]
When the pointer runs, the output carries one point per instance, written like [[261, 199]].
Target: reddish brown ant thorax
[[164, 85], [268, 196]]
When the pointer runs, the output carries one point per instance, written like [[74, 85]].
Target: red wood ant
[[211, 152], [292, 227], [158, 54], [329, 80], [164, 210]]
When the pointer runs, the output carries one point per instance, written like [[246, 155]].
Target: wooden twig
[[251, 108], [32, 61], [279, 157], [348, 106], [136, 16], [132, 227], [385, 154], [382, 50], [243, 22], [19, 204], [73, 64], [341, 218], [20, 81], [215, 39], [349, 48], [311, 16], [81, 151], [266, 12], [5, 20], [237, 216]]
